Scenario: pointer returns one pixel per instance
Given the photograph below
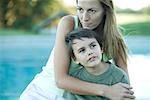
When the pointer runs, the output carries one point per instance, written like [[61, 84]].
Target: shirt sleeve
[[125, 79], [118, 75]]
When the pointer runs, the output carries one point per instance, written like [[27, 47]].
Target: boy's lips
[[92, 58]]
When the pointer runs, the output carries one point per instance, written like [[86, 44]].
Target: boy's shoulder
[[117, 70], [119, 74]]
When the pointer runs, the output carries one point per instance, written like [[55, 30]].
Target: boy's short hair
[[78, 34]]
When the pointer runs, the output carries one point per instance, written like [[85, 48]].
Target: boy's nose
[[90, 52]]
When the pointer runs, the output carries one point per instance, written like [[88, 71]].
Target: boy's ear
[[102, 50], [74, 60], [77, 62]]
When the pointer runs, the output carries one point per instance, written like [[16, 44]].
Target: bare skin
[[64, 81]]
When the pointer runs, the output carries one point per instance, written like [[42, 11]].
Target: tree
[[22, 14], [146, 10]]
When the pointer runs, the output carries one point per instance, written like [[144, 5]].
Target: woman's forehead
[[88, 3]]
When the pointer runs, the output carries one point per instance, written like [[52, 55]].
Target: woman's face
[[90, 13]]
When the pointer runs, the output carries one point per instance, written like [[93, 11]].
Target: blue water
[[22, 57]]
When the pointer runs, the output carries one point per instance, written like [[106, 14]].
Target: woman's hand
[[119, 91]]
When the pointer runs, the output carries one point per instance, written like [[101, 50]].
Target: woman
[[97, 15]]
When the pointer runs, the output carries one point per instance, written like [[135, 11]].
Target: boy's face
[[87, 51]]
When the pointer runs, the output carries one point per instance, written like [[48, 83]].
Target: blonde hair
[[110, 35], [114, 45]]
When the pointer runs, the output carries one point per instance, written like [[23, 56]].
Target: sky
[[132, 4]]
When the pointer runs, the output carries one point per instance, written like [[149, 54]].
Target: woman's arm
[[62, 61], [117, 92]]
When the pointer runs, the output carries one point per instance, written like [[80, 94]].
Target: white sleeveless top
[[45, 80]]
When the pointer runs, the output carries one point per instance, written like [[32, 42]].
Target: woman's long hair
[[113, 43], [110, 35]]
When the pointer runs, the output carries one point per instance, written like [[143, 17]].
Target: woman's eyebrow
[[88, 8], [78, 7]]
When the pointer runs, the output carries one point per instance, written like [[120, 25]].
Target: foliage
[[22, 14], [118, 10], [146, 10]]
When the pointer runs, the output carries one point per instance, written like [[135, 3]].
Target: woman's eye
[[92, 11], [80, 9]]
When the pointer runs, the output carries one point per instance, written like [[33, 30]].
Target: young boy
[[86, 51]]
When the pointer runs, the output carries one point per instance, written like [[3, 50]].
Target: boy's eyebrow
[[84, 47], [92, 43], [73, 43]]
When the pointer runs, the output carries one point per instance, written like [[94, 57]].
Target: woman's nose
[[85, 16]]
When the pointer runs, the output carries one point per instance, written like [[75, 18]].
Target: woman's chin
[[90, 28]]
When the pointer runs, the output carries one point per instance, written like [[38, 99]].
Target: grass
[[134, 24], [141, 28], [15, 32]]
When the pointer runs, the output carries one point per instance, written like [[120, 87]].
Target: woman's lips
[[86, 24]]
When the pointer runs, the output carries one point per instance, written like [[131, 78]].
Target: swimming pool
[[22, 57]]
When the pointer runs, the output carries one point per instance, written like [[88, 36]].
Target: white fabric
[[43, 84], [45, 80], [33, 92]]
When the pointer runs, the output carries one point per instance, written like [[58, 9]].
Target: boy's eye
[[81, 50], [93, 45]]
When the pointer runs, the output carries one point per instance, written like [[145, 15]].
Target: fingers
[[127, 86], [129, 92], [129, 96]]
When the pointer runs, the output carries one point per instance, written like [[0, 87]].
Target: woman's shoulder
[[67, 19], [66, 23]]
